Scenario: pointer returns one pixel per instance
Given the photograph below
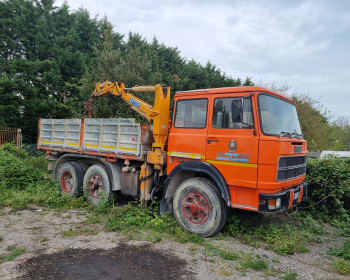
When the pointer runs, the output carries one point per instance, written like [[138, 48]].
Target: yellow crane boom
[[158, 113]]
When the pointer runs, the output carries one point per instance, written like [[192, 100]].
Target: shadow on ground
[[120, 263]]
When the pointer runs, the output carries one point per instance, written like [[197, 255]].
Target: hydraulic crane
[[158, 114]]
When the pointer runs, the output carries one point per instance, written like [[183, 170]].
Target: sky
[[303, 44]]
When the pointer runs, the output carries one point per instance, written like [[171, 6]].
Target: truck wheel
[[70, 178], [97, 187], [199, 208]]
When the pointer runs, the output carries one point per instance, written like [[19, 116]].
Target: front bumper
[[283, 200]]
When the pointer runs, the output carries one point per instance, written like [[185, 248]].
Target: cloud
[[305, 43]]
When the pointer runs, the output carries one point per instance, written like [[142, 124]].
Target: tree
[[50, 59], [315, 124], [44, 51]]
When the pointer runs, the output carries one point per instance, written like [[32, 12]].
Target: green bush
[[329, 190], [18, 170]]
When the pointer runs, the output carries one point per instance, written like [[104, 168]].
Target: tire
[[199, 208], [97, 186], [70, 178], [84, 165]]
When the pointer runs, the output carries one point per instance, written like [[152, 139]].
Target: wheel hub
[[95, 186], [67, 182], [195, 207]]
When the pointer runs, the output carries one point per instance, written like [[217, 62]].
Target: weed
[[212, 250], [311, 225], [341, 266], [290, 275], [153, 238], [282, 239], [68, 216], [14, 252], [44, 239], [133, 218], [256, 263], [70, 232], [192, 249], [276, 260], [228, 255], [270, 272], [92, 218], [342, 251], [225, 272], [88, 231]]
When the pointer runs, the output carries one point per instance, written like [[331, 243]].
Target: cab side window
[[191, 113], [222, 113]]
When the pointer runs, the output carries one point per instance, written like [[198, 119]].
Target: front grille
[[291, 167]]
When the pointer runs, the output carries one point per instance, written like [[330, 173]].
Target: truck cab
[[244, 141]]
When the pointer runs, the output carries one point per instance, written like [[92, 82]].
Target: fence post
[[18, 138]]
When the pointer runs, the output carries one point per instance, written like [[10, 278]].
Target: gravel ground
[[59, 245]]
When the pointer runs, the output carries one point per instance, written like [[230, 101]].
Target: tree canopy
[[51, 58]]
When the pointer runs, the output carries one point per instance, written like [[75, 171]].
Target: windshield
[[278, 117]]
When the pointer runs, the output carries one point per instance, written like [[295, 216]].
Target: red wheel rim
[[67, 182], [95, 186], [195, 208]]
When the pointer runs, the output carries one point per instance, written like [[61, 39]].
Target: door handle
[[212, 140]]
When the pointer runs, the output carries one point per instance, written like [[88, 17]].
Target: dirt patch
[[66, 245], [120, 263]]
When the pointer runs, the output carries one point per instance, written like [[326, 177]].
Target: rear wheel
[[70, 178], [97, 187], [199, 208]]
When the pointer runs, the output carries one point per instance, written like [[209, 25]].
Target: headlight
[[274, 204]]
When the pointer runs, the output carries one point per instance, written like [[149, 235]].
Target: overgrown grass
[[342, 251], [283, 234], [290, 275], [254, 262], [133, 220], [211, 250], [13, 252], [43, 193], [22, 183], [341, 266]]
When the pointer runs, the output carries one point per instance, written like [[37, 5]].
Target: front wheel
[[199, 208], [97, 187]]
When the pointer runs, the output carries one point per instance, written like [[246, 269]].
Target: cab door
[[188, 134], [232, 146]]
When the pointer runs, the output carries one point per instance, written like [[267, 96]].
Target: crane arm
[[158, 113]]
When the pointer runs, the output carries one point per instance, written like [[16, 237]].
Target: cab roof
[[228, 90]]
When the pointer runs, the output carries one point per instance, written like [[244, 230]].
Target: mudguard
[[198, 167]]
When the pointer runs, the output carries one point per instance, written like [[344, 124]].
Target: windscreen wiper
[[284, 134], [298, 135]]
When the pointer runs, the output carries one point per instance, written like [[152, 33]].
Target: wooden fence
[[10, 135]]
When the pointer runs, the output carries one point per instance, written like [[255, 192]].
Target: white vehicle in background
[[341, 154]]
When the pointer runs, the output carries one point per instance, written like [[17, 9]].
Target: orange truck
[[239, 147]]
